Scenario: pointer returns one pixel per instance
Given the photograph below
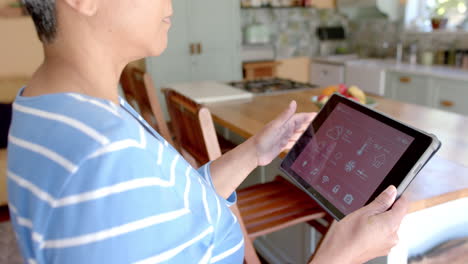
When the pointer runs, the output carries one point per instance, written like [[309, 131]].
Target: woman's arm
[[232, 168]]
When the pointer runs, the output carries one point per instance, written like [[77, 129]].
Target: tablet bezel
[[410, 158]]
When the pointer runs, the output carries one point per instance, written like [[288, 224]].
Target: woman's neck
[[78, 70]]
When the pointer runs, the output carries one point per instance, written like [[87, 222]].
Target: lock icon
[[336, 188]]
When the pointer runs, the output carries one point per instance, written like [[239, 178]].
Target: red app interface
[[349, 157]]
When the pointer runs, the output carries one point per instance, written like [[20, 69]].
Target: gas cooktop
[[272, 86]]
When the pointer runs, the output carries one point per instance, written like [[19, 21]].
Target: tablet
[[351, 153]]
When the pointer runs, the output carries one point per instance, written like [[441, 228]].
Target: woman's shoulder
[[70, 124]]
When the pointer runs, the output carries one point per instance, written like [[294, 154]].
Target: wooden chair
[[139, 90], [262, 208], [186, 128]]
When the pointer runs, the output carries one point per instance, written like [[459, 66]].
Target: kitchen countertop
[[335, 59], [432, 71], [392, 66], [442, 181], [209, 91]]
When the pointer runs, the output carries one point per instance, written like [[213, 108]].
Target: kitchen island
[[439, 192]]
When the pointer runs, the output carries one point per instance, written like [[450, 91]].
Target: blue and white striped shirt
[[91, 182]]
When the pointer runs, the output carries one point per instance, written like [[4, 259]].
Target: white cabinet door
[[215, 25], [415, 89], [326, 74], [370, 78], [174, 64], [451, 95]]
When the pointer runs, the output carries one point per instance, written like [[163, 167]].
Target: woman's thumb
[[383, 202], [287, 113]]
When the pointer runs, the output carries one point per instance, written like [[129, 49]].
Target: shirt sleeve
[[205, 172]]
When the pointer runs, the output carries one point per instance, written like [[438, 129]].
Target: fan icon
[[349, 167]]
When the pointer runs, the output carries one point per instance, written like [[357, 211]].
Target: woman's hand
[[365, 234], [281, 134]]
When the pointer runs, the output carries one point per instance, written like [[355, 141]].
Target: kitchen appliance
[[272, 86], [329, 70], [367, 74], [256, 33], [361, 8], [332, 39]]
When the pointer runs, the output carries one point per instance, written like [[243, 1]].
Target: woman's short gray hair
[[44, 17]]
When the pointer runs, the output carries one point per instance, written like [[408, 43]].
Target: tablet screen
[[349, 156]]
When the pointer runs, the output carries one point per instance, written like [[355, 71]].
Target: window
[[420, 12]]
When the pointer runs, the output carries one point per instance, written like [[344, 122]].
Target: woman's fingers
[[383, 202], [286, 114], [299, 124], [397, 213]]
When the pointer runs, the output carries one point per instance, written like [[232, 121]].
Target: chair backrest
[[195, 129], [186, 125], [139, 90]]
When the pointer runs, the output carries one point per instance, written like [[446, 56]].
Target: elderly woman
[[91, 182]]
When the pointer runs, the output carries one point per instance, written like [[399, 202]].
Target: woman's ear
[[85, 7]]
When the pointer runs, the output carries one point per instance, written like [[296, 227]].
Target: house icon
[[348, 199], [379, 161]]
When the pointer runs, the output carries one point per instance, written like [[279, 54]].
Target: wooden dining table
[[444, 179]]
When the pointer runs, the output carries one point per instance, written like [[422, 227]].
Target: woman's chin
[[159, 49]]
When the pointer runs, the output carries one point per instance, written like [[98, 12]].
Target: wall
[[369, 37], [293, 30], [5, 2], [20, 50]]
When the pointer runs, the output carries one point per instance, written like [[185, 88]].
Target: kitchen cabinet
[[204, 44], [442, 93], [326, 74], [324, 3], [410, 88], [260, 70], [296, 69], [451, 95], [357, 9]]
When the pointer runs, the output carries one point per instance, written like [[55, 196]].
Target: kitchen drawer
[[410, 88], [451, 95], [260, 70], [326, 74]]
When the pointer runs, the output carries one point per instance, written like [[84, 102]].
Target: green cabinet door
[[410, 88], [451, 95], [215, 27]]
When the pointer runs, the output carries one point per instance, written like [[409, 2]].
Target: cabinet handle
[[199, 48], [405, 79], [447, 103], [324, 72], [193, 49]]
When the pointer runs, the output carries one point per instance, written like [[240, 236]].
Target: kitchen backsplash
[[293, 30]]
